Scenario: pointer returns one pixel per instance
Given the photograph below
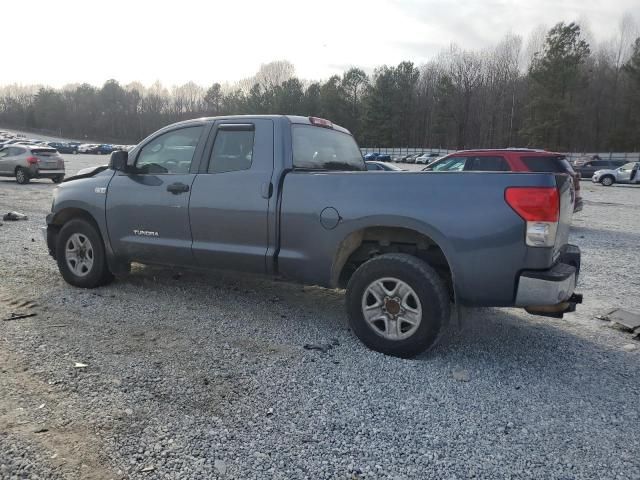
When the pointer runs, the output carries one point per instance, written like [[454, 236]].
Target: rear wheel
[[81, 256], [397, 305], [607, 180], [58, 179], [22, 176]]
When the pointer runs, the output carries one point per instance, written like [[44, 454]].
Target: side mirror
[[119, 160]]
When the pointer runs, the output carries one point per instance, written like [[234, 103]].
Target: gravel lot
[[193, 375]]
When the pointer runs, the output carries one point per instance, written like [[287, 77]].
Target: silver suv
[[31, 161]]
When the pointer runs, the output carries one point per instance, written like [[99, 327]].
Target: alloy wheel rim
[[391, 308], [79, 254]]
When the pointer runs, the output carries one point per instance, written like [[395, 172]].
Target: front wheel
[[22, 176], [607, 181], [397, 304], [81, 256]]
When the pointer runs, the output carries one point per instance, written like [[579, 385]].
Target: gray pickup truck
[[290, 197]]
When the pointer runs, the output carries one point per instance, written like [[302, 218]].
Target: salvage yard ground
[[171, 374]]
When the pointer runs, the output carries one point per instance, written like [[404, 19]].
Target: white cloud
[[207, 41]]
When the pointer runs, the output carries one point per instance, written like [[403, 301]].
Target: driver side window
[[169, 153]]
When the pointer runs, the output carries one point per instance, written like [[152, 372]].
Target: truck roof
[[297, 119]]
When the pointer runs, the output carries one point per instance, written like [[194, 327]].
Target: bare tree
[[273, 74]]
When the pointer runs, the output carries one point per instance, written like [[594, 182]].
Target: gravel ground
[[193, 375]]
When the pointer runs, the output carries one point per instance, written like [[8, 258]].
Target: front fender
[[85, 197]]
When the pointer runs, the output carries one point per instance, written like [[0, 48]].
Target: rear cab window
[[320, 148]]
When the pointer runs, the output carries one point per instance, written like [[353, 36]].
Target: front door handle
[[177, 188]]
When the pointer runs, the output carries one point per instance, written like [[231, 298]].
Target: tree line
[[557, 92]]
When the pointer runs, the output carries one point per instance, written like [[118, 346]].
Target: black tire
[[99, 273], [58, 179], [428, 287], [607, 180], [22, 176]]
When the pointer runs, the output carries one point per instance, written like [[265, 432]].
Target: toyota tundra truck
[[290, 196]]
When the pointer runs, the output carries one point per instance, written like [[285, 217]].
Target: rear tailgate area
[[48, 158], [567, 195]]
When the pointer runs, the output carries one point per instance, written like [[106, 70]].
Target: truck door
[[148, 207], [231, 194]]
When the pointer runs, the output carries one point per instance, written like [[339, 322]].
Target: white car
[[87, 147], [627, 173], [427, 158]]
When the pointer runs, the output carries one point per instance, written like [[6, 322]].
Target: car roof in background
[[529, 151]]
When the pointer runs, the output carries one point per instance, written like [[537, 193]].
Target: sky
[[74, 41]]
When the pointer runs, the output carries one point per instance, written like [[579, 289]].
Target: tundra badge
[[145, 233]]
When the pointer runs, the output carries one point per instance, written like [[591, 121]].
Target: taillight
[[540, 208], [32, 160]]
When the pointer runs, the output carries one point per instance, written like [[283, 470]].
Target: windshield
[[451, 164], [317, 148]]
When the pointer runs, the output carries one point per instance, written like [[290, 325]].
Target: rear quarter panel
[[464, 213]]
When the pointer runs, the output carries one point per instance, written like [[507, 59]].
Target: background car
[[12, 141], [104, 149], [587, 169], [374, 165], [63, 147], [87, 148], [28, 161], [627, 173], [383, 157], [427, 158], [508, 160], [412, 158]]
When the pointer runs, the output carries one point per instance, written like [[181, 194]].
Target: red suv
[[508, 160]]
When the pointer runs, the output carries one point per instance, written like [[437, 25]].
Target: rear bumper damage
[[551, 292]]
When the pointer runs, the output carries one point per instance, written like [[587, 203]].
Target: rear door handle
[[177, 188]]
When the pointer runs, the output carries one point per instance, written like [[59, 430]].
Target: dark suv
[[587, 169], [508, 160]]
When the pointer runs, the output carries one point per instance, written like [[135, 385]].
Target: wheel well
[[63, 217], [365, 244]]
